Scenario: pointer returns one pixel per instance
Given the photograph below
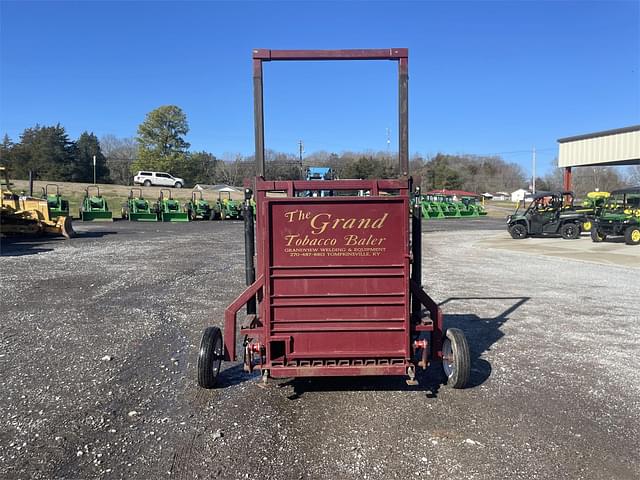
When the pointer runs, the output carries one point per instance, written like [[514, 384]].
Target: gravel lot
[[99, 336]]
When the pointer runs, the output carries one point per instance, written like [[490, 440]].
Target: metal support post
[[416, 253], [249, 247]]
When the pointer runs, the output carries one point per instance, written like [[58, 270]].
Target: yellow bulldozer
[[25, 215]]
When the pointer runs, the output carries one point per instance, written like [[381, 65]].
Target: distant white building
[[519, 195], [501, 196]]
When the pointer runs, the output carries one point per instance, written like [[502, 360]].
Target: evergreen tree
[[6, 151], [45, 150], [86, 147]]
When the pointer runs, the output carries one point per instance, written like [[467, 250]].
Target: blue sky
[[485, 77]]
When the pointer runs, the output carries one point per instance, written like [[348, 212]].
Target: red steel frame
[[349, 311]]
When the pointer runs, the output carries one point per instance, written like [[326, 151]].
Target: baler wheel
[[456, 361], [210, 357]]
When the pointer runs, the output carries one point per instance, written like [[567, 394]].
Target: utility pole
[[301, 146], [534, 170], [388, 141], [94, 169]]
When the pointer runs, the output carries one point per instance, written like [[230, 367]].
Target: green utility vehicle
[[548, 213], [198, 208], [94, 207], [591, 207], [619, 216], [58, 206], [226, 207], [138, 209], [169, 210]]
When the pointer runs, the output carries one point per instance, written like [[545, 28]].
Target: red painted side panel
[[338, 276]]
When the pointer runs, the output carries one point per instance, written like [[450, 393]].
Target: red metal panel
[[334, 231], [338, 276]]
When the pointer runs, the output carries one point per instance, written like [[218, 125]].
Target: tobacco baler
[[337, 288]]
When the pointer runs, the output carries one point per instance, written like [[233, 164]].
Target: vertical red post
[[566, 184]]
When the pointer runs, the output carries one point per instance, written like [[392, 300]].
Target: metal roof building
[[607, 148]]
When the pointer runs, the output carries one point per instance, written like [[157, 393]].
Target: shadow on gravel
[[481, 333], [14, 247], [235, 375], [429, 381], [95, 234]]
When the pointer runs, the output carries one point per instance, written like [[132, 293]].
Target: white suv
[[157, 178]]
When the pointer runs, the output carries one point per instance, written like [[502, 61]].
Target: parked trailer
[[337, 286]]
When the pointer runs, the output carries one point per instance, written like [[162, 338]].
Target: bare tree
[[120, 154], [634, 175]]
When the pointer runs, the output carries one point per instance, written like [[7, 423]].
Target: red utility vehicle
[[336, 290]]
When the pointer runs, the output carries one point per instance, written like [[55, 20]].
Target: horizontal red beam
[[267, 55], [351, 371], [301, 185]]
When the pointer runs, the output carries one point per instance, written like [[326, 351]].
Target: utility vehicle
[[620, 216], [548, 213]]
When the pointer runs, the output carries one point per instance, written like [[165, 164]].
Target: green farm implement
[[94, 207], [198, 208], [169, 210], [472, 207], [619, 216], [58, 206], [227, 208], [438, 206], [138, 209], [591, 206]]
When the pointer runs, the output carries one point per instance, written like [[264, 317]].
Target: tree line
[[160, 145]]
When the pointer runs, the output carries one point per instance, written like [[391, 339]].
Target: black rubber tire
[[629, 234], [212, 215], [518, 231], [147, 183], [461, 363], [597, 236], [210, 357], [223, 216], [570, 231], [178, 185]]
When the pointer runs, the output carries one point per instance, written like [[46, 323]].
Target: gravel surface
[[99, 337]]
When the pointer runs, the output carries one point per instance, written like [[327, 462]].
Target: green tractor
[[138, 209], [431, 209], [169, 210], [226, 207], [548, 213], [198, 208], [94, 207], [619, 216], [473, 207], [58, 206]]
